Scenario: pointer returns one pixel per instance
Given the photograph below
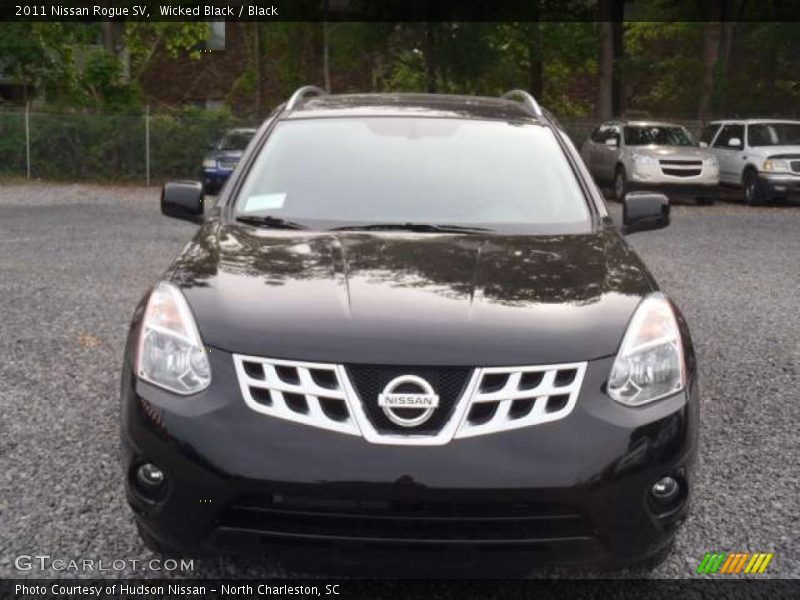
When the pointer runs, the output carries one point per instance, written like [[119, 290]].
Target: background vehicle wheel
[[154, 544], [753, 194], [620, 184]]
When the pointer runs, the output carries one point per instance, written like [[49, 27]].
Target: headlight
[[171, 353], [209, 163], [712, 162], [776, 164], [644, 159], [649, 365]]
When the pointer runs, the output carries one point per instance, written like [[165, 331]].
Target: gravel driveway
[[75, 259]]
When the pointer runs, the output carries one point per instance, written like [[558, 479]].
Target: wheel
[[620, 184], [752, 189], [155, 545]]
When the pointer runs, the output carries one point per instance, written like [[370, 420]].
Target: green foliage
[[110, 147], [178, 142]]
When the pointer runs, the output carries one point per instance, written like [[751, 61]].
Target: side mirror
[[735, 143], [612, 141], [703, 144], [183, 200], [642, 211]]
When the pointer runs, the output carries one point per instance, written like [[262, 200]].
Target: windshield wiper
[[269, 221], [421, 227]]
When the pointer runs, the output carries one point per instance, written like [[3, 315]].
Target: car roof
[[423, 105], [642, 123], [752, 121]]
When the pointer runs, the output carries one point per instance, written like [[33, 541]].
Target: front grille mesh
[[681, 172], [369, 381], [471, 401]]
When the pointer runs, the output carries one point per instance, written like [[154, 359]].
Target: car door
[[607, 154], [729, 150], [589, 150]]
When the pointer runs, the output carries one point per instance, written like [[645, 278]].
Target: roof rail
[[302, 93], [528, 100]]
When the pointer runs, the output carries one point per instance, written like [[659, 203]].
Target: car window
[[235, 140], [404, 169], [598, 135], [659, 135], [774, 134], [729, 132], [709, 131]]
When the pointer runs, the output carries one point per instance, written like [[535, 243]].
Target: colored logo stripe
[[734, 562]]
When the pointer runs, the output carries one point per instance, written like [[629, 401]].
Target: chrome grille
[[308, 393], [795, 164], [227, 164], [510, 398], [681, 167], [491, 399]]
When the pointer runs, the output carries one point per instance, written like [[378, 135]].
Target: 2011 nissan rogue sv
[[409, 327]]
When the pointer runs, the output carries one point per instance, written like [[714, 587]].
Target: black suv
[[409, 326]]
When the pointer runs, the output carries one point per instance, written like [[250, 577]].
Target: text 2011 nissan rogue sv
[[410, 328]]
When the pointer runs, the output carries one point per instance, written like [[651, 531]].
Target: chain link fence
[[137, 148], [129, 148]]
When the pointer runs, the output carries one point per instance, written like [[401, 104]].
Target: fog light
[[665, 490], [150, 476]]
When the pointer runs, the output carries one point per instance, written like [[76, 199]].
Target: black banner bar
[[381, 10], [617, 589]]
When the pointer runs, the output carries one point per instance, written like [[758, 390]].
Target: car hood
[[778, 151], [687, 152], [227, 155], [410, 298]]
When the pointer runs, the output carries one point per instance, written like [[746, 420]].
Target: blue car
[[224, 156]]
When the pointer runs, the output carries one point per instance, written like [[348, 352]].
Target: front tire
[[753, 194], [620, 184]]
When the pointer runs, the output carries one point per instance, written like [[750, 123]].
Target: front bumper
[[780, 185], [695, 190], [570, 491]]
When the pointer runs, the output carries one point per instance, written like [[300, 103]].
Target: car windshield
[[659, 135], [235, 140], [774, 134], [413, 170]]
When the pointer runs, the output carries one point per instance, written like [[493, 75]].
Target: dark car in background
[[409, 330], [223, 158]]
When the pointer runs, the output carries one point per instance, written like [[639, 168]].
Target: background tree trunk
[[430, 59], [257, 67], [618, 53], [605, 62], [711, 37], [535, 59]]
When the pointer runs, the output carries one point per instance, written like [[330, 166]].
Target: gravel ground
[[75, 259]]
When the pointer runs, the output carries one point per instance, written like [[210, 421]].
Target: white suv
[[760, 155], [651, 155]]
